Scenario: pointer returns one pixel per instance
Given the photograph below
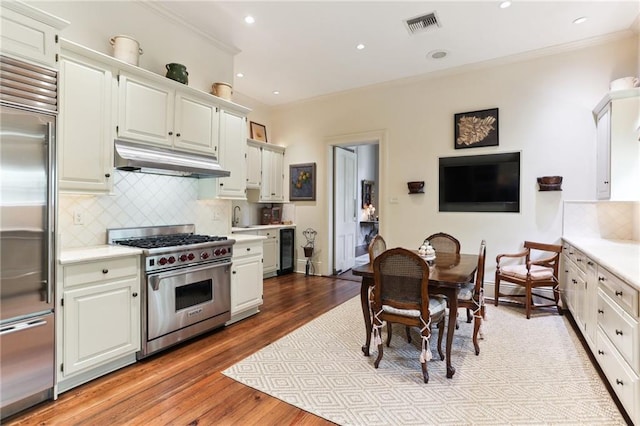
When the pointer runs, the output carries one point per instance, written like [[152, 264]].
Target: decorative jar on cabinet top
[[177, 72]]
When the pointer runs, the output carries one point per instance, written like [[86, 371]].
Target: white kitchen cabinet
[[153, 111], [271, 251], [233, 149], [254, 164], [30, 34], [271, 189], [618, 133], [87, 90], [246, 279], [580, 286], [100, 318]]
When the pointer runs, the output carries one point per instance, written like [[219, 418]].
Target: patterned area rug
[[528, 372]]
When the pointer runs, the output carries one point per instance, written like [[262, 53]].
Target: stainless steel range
[[185, 285]]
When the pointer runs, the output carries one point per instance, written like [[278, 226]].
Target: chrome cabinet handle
[[619, 332], [618, 293], [619, 382], [105, 271], [600, 311], [600, 352], [135, 294], [21, 327]]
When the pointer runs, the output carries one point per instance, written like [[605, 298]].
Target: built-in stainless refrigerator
[[27, 218]]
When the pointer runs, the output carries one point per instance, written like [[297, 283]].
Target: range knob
[[172, 260], [223, 251], [162, 261], [217, 252], [183, 258], [204, 255], [191, 256]]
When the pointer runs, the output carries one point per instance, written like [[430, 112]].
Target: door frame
[[370, 137]]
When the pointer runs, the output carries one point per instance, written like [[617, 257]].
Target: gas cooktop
[[172, 240]]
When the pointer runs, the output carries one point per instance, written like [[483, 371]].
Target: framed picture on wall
[[302, 182], [476, 128], [258, 131]]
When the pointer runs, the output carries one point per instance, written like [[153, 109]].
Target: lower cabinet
[[246, 279], [99, 318], [271, 252], [606, 310]]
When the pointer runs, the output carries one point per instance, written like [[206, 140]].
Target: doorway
[[343, 203]]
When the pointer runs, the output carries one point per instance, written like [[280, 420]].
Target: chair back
[[552, 261], [376, 247], [443, 243], [401, 280], [480, 271]]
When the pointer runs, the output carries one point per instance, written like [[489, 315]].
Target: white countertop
[[622, 257], [240, 229], [82, 254]]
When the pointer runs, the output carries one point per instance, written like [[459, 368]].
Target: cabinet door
[[266, 180], [277, 176], [85, 143], [101, 323], [254, 166], [246, 284], [196, 125], [233, 146], [145, 111], [271, 251], [603, 154]]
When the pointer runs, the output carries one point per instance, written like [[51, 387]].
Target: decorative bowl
[[550, 183], [416, 187]]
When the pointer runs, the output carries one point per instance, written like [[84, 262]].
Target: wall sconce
[[550, 183], [416, 187]]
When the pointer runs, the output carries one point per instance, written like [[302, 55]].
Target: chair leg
[[556, 296], [440, 336], [389, 333], [496, 290], [476, 327], [528, 301], [408, 331], [469, 316], [377, 361], [423, 363]]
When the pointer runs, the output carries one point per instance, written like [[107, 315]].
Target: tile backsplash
[[602, 219], [139, 200]]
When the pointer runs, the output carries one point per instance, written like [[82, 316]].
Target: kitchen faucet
[[236, 219]]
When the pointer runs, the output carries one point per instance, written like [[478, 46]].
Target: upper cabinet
[[233, 149], [618, 146], [30, 34], [270, 184], [162, 115], [87, 89]]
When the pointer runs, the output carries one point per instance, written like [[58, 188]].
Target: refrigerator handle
[[22, 326], [50, 215]]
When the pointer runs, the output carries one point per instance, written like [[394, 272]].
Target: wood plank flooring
[[184, 385]]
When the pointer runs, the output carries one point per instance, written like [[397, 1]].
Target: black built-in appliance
[[287, 250]]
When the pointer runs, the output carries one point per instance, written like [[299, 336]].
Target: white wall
[[544, 112]]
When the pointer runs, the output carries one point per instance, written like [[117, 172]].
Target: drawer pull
[[619, 382], [600, 278], [600, 352], [600, 311], [105, 271], [566, 271], [135, 294], [590, 263], [233, 272], [619, 332], [618, 293], [248, 248], [578, 260]]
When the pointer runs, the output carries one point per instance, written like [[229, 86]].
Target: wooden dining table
[[447, 273]]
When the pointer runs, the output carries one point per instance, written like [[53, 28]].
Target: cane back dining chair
[[532, 274], [376, 247], [401, 295], [442, 242], [471, 296]]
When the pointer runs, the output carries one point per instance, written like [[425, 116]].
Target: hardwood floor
[[184, 385]]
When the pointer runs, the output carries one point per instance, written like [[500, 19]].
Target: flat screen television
[[480, 183]]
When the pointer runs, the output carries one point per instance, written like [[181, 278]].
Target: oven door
[[179, 298]]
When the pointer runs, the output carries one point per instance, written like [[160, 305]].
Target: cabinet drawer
[[624, 382], [99, 270], [247, 249], [618, 290], [621, 329]]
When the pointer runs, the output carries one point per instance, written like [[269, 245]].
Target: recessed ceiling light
[[580, 20], [505, 4], [437, 54], [249, 19], [239, 75], [360, 46], [276, 92]]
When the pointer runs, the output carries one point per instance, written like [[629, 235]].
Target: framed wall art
[[258, 131], [476, 128], [302, 182]]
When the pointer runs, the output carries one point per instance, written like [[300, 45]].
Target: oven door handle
[[154, 280]]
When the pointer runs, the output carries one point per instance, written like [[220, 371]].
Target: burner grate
[[161, 241]]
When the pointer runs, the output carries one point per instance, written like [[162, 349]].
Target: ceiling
[[306, 49]]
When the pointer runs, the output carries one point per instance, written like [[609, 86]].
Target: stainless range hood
[[135, 157]]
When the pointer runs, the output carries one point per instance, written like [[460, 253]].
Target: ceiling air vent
[[422, 23]]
